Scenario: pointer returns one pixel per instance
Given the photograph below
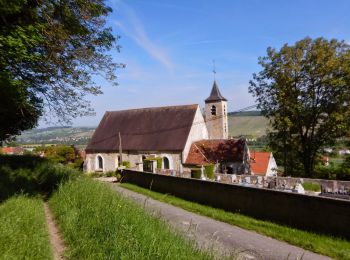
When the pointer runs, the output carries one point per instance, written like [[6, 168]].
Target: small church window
[[224, 110], [213, 110], [99, 162], [166, 163]]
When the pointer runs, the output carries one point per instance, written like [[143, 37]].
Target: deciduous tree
[[50, 52], [304, 89]]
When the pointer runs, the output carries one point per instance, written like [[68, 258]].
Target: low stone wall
[[312, 213]]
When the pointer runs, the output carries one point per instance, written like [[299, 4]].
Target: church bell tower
[[216, 114]]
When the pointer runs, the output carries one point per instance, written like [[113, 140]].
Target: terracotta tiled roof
[[212, 151], [215, 94], [12, 150], [259, 162], [145, 129]]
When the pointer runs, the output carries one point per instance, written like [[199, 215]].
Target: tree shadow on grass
[[31, 175]]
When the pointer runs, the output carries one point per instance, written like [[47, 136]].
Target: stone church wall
[[110, 160]]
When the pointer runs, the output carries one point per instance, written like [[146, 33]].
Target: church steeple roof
[[215, 94]]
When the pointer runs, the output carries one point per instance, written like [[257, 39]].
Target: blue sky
[[168, 47]]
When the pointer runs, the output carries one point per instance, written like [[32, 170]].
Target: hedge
[[196, 173], [209, 171]]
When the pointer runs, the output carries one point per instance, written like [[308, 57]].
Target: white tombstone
[[202, 173], [233, 178], [299, 188]]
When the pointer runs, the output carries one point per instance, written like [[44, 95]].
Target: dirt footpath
[[54, 235], [220, 236]]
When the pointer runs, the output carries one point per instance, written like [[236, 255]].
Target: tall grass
[[31, 175], [322, 244], [23, 230], [98, 223]]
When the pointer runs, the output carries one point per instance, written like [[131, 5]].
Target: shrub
[[209, 171], [159, 162], [18, 174], [110, 174], [311, 186], [196, 173], [126, 164], [147, 165]]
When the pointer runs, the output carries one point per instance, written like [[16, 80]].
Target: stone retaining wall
[[323, 215]]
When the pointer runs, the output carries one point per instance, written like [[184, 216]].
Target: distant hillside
[[245, 113], [249, 123], [57, 135]]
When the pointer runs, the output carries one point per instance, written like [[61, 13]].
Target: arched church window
[[99, 162], [166, 163], [224, 110], [213, 110]]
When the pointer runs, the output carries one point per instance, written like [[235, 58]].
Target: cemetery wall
[[323, 215]]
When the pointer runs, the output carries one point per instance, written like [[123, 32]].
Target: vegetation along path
[[224, 237], [54, 235]]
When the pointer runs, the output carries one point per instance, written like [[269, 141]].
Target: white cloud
[[134, 29]]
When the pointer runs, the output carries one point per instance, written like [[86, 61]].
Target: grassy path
[[322, 244], [23, 230], [55, 237], [97, 223]]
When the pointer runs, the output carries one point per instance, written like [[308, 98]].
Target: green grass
[[322, 244], [98, 223], [23, 230], [310, 186], [31, 175]]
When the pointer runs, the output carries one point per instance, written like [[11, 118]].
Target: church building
[[171, 138]]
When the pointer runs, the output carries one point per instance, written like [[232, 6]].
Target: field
[[253, 126]]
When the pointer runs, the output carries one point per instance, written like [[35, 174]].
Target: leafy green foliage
[[23, 231], [304, 90], [31, 175], [64, 154], [49, 51], [126, 164], [209, 171], [310, 186], [98, 223], [196, 173]]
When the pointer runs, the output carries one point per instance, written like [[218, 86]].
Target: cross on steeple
[[214, 69]]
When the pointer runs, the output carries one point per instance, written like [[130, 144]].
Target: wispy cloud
[[134, 29]]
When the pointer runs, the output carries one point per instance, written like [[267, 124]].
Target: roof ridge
[[153, 108]]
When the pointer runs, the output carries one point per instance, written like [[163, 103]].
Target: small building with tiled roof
[[230, 156], [263, 164]]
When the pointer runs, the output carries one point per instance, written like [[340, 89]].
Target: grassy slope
[[23, 230], [97, 223], [247, 125], [333, 247]]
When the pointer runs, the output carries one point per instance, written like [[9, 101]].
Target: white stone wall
[[272, 167], [217, 125], [198, 132], [110, 160]]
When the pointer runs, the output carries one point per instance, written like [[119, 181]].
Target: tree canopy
[[50, 50], [304, 89]]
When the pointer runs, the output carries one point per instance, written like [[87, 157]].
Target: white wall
[[272, 167], [110, 160], [198, 132]]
